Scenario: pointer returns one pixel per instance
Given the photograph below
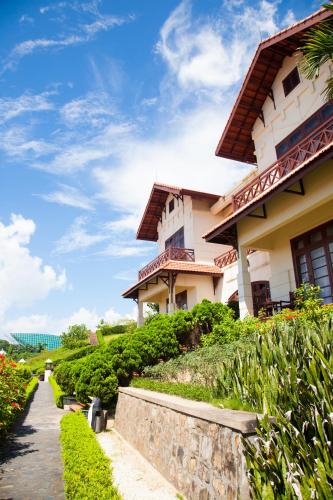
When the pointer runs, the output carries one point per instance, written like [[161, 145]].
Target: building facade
[[187, 269], [282, 125]]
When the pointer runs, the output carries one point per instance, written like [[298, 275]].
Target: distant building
[[48, 341]]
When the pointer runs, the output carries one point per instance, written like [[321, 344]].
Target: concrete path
[[134, 476], [30, 461]]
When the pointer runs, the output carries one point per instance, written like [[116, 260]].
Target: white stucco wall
[[290, 111]]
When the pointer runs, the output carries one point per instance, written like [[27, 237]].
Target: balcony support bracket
[[300, 192], [263, 214], [271, 96], [216, 281]]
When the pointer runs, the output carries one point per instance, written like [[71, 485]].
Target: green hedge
[[30, 389], [188, 391], [87, 472], [58, 394], [100, 338]]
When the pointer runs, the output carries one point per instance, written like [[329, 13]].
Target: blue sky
[[99, 99]]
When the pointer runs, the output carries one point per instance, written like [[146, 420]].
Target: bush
[[58, 394], [76, 336], [290, 376], [87, 471], [30, 389], [100, 373], [12, 393], [100, 338]]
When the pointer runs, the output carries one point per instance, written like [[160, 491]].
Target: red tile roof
[[181, 267], [236, 142], [156, 204]]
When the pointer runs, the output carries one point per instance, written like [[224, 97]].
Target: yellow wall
[[289, 216]]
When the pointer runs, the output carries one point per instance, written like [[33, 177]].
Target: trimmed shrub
[[30, 389], [87, 472], [58, 394], [100, 337], [12, 393]]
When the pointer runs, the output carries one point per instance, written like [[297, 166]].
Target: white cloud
[[213, 54], [12, 107], [16, 143], [78, 238], [128, 223], [94, 110], [289, 18], [24, 279], [44, 323], [70, 196], [126, 249], [85, 32], [26, 19], [127, 275]]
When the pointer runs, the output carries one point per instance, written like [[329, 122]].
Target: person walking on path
[[30, 458]]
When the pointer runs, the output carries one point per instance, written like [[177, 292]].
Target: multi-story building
[[187, 269], [282, 125]]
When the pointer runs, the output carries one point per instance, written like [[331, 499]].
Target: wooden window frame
[[303, 128], [308, 247], [168, 240], [288, 82], [171, 205]]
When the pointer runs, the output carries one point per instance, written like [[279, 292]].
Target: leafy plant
[[289, 376], [58, 394], [87, 472], [318, 49], [76, 336]]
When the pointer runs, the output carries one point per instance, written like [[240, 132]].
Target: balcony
[[304, 150], [229, 257], [171, 253]]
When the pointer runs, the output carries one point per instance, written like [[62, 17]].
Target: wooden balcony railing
[[308, 147], [170, 253], [229, 257]]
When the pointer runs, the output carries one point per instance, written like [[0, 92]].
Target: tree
[[76, 336], [318, 49]]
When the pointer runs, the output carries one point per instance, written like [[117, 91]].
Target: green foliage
[[18, 351], [97, 378], [229, 330], [208, 314], [12, 393], [30, 389], [37, 363], [318, 49], [290, 376], [100, 338], [100, 373], [127, 326], [187, 391], [201, 365], [58, 394], [76, 336], [87, 472]]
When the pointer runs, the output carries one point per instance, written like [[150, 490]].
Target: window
[[291, 81], [181, 300], [171, 205], [176, 240], [313, 259], [305, 129]]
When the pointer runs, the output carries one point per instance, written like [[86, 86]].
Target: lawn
[[37, 362], [109, 338]]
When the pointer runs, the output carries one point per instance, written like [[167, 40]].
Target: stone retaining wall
[[197, 447]]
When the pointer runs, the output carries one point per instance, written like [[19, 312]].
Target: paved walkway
[[134, 476], [30, 461]]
